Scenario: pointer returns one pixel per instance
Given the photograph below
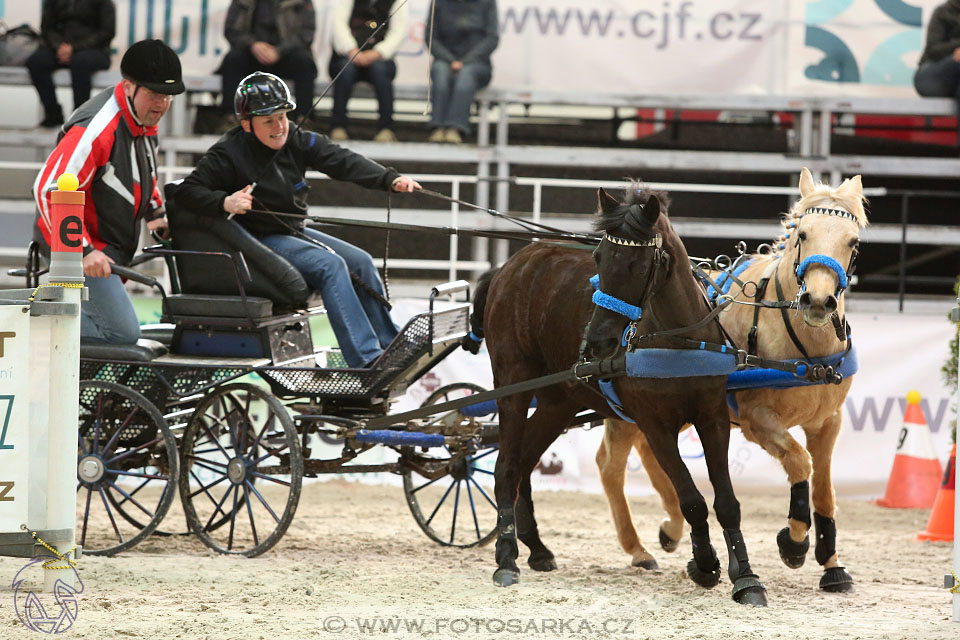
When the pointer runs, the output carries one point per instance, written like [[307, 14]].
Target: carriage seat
[[144, 351], [273, 277], [198, 305]]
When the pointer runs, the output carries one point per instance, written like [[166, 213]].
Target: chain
[[65, 285]]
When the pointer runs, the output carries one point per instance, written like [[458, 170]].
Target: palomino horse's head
[[630, 262], [820, 241]]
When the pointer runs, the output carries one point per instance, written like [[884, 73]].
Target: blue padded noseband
[[828, 262]]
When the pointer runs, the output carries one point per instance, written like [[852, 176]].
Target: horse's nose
[[830, 304], [805, 299]]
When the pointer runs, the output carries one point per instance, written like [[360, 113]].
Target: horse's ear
[[651, 210], [806, 183], [605, 201], [852, 186]]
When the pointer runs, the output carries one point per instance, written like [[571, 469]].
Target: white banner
[[15, 386], [772, 47]]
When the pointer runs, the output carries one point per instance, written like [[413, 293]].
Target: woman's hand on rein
[[238, 202], [405, 184]]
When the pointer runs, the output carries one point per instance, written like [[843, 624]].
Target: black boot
[[53, 117]]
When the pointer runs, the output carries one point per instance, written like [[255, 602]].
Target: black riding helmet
[[154, 65], [260, 94]]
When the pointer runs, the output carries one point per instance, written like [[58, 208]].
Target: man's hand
[[264, 52], [64, 53], [405, 184], [96, 264], [238, 202], [956, 54], [456, 65], [160, 227]]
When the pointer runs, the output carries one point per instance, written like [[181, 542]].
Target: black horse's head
[[631, 263]]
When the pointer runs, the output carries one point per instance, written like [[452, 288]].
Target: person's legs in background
[[108, 315], [40, 65], [300, 67], [236, 65], [342, 91], [326, 272], [441, 76], [940, 79], [83, 64], [381, 74], [361, 263], [466, 83]]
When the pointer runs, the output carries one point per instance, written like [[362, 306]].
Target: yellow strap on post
[[955, 589], [65, 285], [49, 564]]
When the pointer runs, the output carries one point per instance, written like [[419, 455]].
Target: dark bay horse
[[533, 311]]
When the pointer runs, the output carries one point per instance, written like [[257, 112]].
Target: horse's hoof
[[706, 579], [505, 577], [792, 553], [669, 544], [836, 580], [547, 563], [748, 589], [649, 564]]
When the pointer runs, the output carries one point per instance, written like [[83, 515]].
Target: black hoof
[[669, 544], [749, 590], [649, 564], [505, 577], [792, 553], [547, 563], [706, 579], [836, 580]]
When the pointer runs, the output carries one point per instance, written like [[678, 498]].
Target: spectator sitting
[[222, 184], [75, 34], [465, 35], [273, 36], [353, 23], [939, 72]]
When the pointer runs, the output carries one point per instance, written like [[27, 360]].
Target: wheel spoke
[[260, 498], [130, 452], [473, 510], [128, 497], [266, 425], [270, 478], [116, 530], [86, 517], [439, 504], [116, 434], [270, 453], [233, 520], [217, 509], [426, 484], [482, 492], [213, 463], [484, 454], [489, 473], [203, 489], [214, 440], [253, 526], [138, 475], [456, 507]]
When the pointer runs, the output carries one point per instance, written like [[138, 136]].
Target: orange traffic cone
[[940, 525], [915, 477]]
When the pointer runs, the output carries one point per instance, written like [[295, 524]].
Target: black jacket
[[296, 24], [466, 30], [943, 32], [238, 158], [85, 24]]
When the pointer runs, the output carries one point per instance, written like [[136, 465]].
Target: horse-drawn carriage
[[227, 400]]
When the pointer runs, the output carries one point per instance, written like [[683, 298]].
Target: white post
[[66, 270]]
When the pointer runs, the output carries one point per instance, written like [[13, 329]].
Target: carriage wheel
[[126, 459], [456, 509], [242, 469]]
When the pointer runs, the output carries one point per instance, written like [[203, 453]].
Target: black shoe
[[52, 120]]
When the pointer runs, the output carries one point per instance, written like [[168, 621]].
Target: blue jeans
[[940, 79], [454, 91], [108, 316], [361, 323], [380, 74]]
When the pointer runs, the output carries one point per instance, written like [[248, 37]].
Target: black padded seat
[[273, 277], [144, 351], [201, 306]]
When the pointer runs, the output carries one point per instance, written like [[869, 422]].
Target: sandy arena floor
[[354, 555]]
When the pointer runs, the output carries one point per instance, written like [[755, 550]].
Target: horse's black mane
[[616, 223]]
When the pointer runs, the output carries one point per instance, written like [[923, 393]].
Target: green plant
[[949, 368]]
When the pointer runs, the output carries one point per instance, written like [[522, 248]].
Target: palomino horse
[[823, 226], [533, 311]]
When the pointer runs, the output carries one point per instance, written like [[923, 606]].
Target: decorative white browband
[[656, 241], [823, 211]]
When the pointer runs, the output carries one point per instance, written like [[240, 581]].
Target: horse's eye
[[802, 235], [855, 243]]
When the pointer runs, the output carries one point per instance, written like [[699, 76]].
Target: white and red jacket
[[115, 159]]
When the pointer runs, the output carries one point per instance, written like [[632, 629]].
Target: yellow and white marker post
[[40, 356]]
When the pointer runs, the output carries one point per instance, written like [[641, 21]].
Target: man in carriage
[[257, 171]]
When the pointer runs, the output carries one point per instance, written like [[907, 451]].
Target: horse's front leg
[[619, 438], [507, 477], [821, 443], [714, 430], [763, 425]]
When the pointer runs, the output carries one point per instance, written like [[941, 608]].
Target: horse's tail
[[472, 341]]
